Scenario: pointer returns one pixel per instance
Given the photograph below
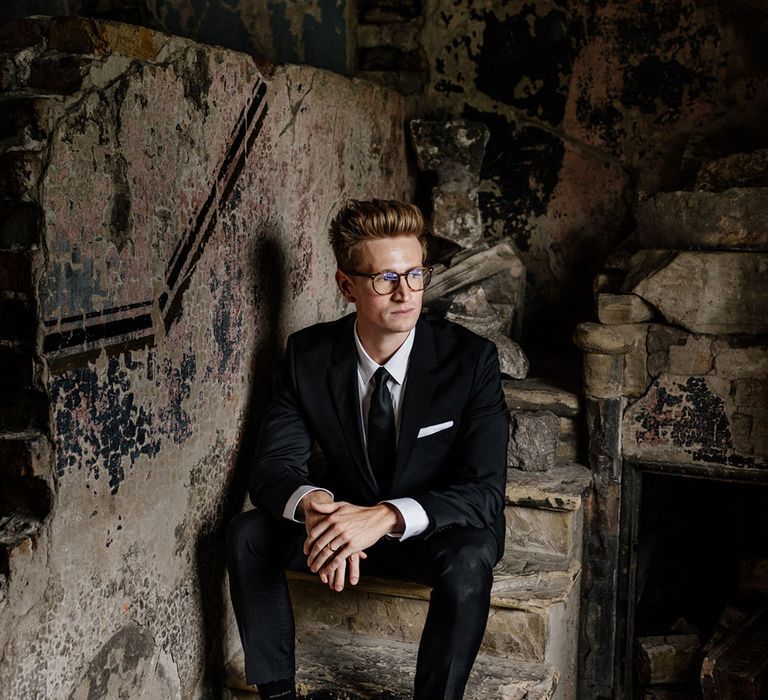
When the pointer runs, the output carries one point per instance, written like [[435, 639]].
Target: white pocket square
[[432, 429]]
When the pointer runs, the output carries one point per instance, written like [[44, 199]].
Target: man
[[415, 453]]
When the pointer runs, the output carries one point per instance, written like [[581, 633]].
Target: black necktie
[[382, 448]]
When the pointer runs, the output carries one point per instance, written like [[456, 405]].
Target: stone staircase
[[362, 643]]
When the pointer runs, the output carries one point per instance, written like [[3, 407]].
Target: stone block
[[605, 340], [603, 375], [80, 35], [471, 309], [704, 292], [635, 379], [750, 392], [390, 58], [533, 440], [19, 174], [17, 367], [740, 363], [667, 659], [23, 121], [19, 321], [736, 170], [16, 272], [456, 216], [560, 488], [454, 149], [19, 225], [60, 74], [475, 266], [569, 444], [385, 11], [22, 33], [695, 357], [617, 309], [536, 393], [401, 35], [405, 82], [23, 412], [24, 504], [538, 531], [730, 220]]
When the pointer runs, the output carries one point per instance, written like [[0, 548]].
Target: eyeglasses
[[387, 282]]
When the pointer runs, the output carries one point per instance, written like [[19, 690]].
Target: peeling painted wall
[[589, 106], [185, 198]]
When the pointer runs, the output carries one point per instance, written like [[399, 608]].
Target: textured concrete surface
[[165, 296]]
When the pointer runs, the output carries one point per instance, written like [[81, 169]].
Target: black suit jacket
[[457, 474]]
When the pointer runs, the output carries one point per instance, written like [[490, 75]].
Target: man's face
[[391, 314]]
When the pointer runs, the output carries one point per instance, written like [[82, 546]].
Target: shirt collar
[[397, 366]]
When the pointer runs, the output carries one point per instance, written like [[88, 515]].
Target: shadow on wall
[[210, 550]]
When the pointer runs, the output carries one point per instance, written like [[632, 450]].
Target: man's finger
[[354, 569], [341, 571]]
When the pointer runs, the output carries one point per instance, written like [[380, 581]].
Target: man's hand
[[343, 531], [312, 521]]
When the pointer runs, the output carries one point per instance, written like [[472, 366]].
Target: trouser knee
[[249, 534], [465, 572]]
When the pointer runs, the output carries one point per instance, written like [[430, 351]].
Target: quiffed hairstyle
[[359, 221]]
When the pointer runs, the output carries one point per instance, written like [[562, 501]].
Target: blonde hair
[[359, 221]]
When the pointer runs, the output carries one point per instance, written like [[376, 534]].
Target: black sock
[[278, 690]]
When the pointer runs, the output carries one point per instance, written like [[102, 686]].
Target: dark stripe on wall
[[93, 338]]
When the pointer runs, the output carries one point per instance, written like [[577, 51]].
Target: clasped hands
[[338, 533]]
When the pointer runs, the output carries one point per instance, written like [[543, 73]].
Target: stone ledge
[[560, 488], [539, 394], [355, 667], [511, 590]]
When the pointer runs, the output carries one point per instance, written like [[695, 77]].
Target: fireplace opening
[[700, 595]]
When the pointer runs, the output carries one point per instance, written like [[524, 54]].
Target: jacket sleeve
[[472, 491], [284, 444]]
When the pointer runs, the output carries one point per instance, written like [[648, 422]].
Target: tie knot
[[381, 375]]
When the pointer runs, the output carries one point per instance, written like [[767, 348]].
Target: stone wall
[[162, 228]]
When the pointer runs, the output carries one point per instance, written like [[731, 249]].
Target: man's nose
[[403, 291]]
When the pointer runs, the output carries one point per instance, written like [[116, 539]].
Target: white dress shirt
[[414, 516]]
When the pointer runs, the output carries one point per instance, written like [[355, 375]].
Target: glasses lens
[[418, 278], [385, 282]]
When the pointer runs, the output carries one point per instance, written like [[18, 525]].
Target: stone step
[[533, 616], [542, 394], [544, 513], [353, 667], [560, 488]]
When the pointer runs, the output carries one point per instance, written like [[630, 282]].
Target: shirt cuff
[[415, 518], [289, 511]]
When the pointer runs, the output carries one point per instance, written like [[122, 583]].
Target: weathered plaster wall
[[179, 203]]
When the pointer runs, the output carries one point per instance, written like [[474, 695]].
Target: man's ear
[[345, 286]]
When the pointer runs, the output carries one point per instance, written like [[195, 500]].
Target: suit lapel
[[419, 387], [342, 386]]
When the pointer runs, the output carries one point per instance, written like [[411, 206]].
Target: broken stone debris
[[533, 440]]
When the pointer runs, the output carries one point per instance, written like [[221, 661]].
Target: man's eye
[[389, 276], [417, 273]]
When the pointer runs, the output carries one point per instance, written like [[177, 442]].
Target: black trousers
[[457, 563]]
